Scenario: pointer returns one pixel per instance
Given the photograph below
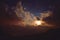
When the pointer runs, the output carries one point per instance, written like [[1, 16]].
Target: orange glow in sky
[[38, 22]]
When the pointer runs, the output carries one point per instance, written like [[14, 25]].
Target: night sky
[[36, 7]]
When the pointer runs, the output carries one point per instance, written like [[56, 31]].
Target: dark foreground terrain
[[7, 34]]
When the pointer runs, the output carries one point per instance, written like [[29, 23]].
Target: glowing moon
[[38, 22]]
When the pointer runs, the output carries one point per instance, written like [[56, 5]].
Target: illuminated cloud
[[28, 17]]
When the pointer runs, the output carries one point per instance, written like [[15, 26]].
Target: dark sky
[[33, 5], [36, 6]]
